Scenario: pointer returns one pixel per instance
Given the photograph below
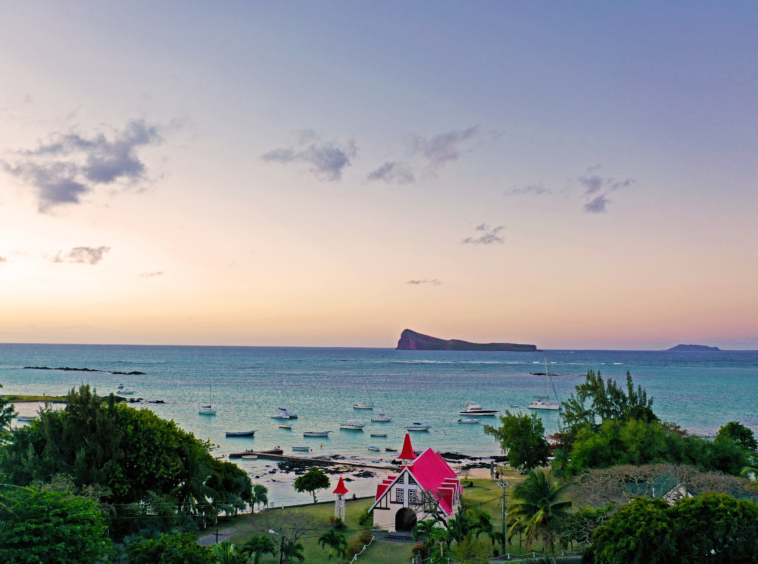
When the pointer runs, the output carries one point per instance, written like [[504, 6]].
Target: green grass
[[23, 399], [378, 553]]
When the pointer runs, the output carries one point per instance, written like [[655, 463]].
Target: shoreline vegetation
[[13, 398], [133, 487]]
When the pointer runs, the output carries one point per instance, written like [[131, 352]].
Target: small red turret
[[407, 454], [341, 489]]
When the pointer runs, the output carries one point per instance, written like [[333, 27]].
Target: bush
[[366, 517], [170, 550], [338, 523], [356, 545]]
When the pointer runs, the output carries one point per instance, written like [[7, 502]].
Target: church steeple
[[407, 455]]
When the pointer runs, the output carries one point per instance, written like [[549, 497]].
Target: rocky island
[[412, 341], [693, 348]]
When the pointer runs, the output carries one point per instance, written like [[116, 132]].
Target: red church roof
[[432, 473], [407, 453], [341, 489]]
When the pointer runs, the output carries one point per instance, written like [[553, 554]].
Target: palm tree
[[257, 547], [293, 550], [225, 553], [260, 495], [536, 507], [560, 463], [334, 540], [424, 528], [194, 470]]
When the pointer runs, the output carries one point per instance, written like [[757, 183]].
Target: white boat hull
[[545, 405], [418, 428], [468, 421], [316, 433], [207, 412]]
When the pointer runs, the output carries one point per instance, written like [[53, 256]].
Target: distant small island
[[412, 341], [693, 348]]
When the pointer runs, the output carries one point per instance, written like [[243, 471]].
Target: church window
[[412, 496], [399, 497]]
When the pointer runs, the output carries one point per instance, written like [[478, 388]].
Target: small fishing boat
[[468, 421], [381, 419], [120, 386], [316, 433], [514, 405], [250, 457], [284, 414], [301, 448], [125, 392], [378, 434], [352, 425], [375, 449], [276, 450], [417, 427], [240, 433], [27, 417], [390, 449], [285, 426]]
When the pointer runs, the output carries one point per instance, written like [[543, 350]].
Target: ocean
[[700, 391]]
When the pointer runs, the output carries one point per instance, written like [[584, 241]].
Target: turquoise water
[[700, 391]]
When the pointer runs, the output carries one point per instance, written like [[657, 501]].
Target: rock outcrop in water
[[693, 348], [412, 341]]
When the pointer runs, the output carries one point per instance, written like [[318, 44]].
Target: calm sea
[[700, 391]]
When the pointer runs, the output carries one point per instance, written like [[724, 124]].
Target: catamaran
[[369, 402], [205, 409], [543, 402]]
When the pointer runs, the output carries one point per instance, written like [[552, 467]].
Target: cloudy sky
[[573, 175]]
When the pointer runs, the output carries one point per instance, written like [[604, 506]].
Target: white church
[[425, 483]]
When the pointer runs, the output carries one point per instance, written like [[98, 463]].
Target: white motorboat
[[543, 402], [468, 421], [352, 425], [302, 448], [417, 427], [381, 419], [125, 392], [476, 409], [240, 433], [284, 414], [379, 434], [316, 433], [369, 402]]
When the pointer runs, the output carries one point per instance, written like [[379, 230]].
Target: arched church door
[[405, 519]]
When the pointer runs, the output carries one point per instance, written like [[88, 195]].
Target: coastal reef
[[70, 369], [412, 341]]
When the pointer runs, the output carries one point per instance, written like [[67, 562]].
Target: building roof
[[433, 474], [341, 489]]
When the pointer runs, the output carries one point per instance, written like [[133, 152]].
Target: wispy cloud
[[393, 171], [327, 159], [3, 260], [489, 236], [433, 282], [594, 183], [82, 255], [151, 274], [443, 148], [70, 165], [537, 189]]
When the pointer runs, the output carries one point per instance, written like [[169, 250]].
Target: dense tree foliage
[[522, 436], [738, 433], [134, 453], [170, 549], [636, 443], [7, 412], [708, 528], [312, 481], [46, 526], [597, 400]]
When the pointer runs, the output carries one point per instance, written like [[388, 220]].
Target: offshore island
[[412, 341]]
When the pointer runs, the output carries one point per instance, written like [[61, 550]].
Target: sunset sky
[[327, 173]]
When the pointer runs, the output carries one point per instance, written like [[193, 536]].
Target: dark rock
[[412, 341], [693, 348], [132, 373]]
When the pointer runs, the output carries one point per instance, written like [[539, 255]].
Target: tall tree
[[192, 492], [537, 507], [597, 400], [7, 412], [522, 436], [312, 481], [257, 546], [737, 432]]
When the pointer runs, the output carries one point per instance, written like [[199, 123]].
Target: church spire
[[407, 455]]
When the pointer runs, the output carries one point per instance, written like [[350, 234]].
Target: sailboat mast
[[547, 379]]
